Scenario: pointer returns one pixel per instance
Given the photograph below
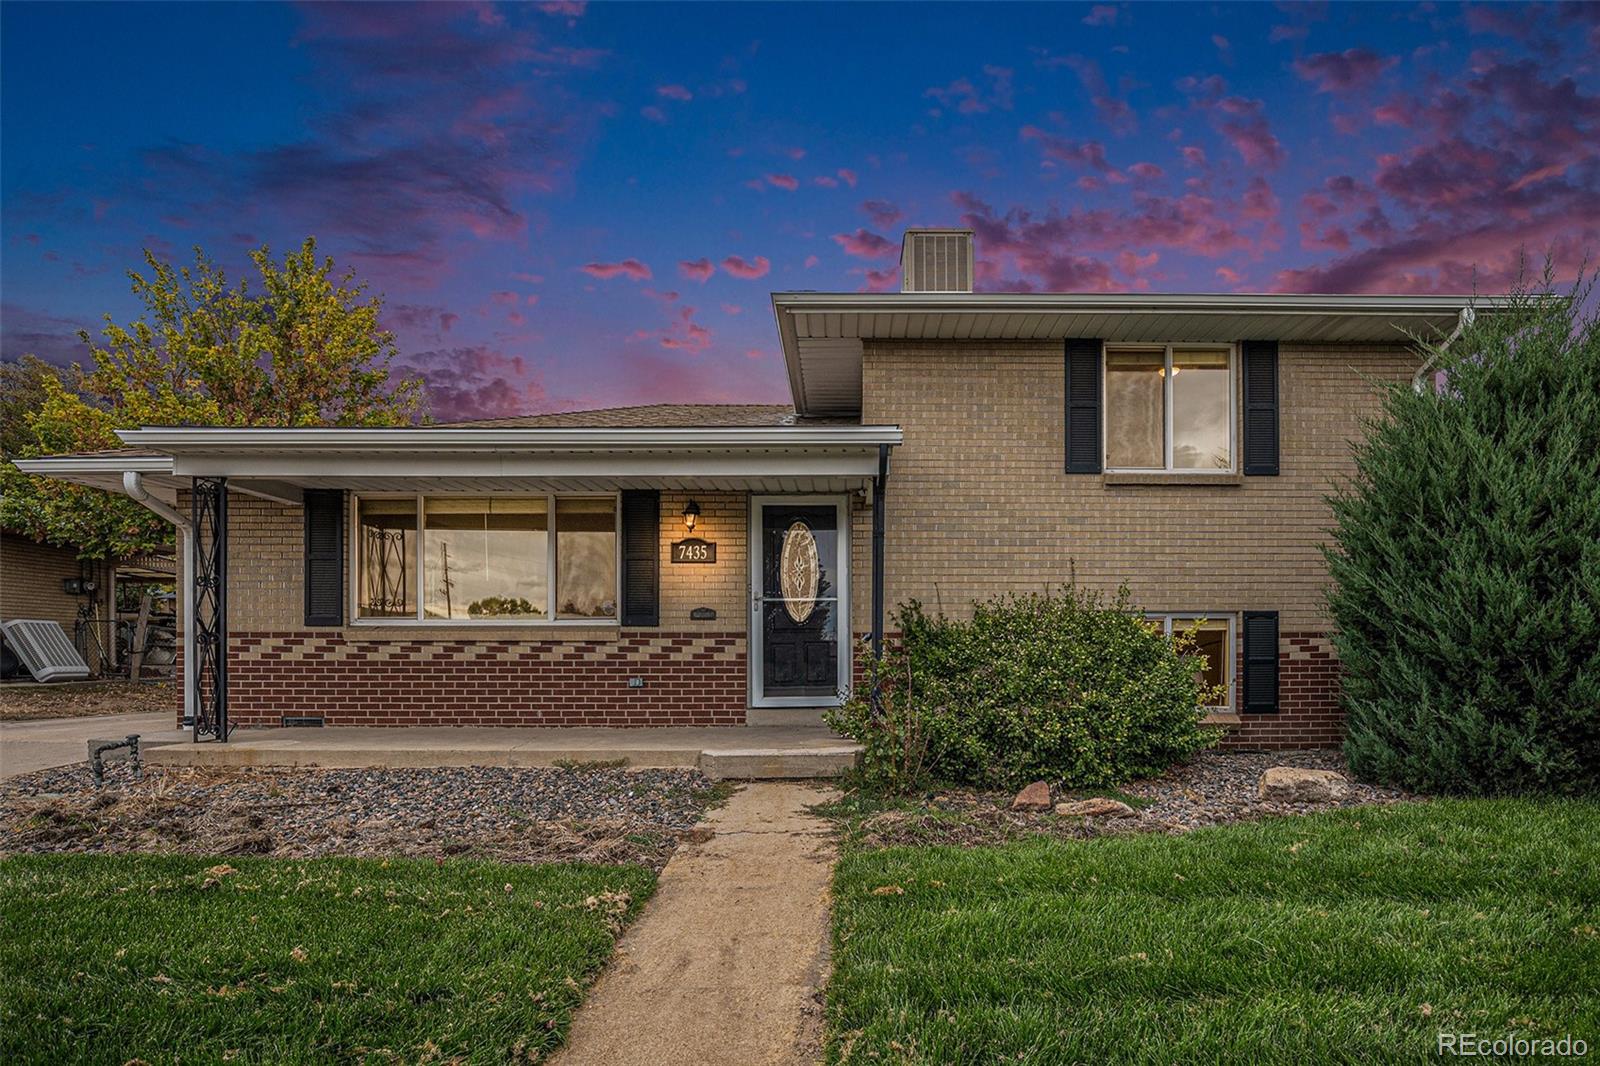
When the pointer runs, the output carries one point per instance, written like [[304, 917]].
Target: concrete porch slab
[[739, 752]]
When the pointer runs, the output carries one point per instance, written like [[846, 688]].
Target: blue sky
[[568, 205]]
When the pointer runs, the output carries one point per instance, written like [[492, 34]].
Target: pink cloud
[[696, 269], [825, 181], [674, 92], [796, 153], [685, 334], [886, 279], [748, 270], [476, 381], [1146, 171], [628, 268], [847, 176], [1079, 153], [1194, 156], [968, 99], [882, 212], [783, 181], [505, 296], [864, 244], [811, 261], [1338, 72], [1101, 15], [654, 114], [732, 309]]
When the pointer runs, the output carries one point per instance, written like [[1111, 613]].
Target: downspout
[[878, 485], [133, 486], [1463, 320]]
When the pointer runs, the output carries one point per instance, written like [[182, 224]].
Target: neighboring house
[[544, 570], [44, 581]]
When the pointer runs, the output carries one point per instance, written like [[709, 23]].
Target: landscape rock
[[1095, 807], [1036, 797], [1294, 784]]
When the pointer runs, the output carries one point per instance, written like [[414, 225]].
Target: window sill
[[1226, 719], [388, 629], [1171, 478]]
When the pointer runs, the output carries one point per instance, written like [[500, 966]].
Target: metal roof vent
[[45, 650], [936, 260]]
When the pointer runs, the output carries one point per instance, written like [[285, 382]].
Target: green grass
[[1353, 936], [115, 958]]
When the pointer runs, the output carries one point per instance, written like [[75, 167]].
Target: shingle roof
[[657, 416]]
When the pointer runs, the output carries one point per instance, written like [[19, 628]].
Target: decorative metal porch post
[[210, 516]]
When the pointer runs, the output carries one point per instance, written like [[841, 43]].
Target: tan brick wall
[[979, 503], [266, 572]]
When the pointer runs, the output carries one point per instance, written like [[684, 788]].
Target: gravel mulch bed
[[1215, 788], [510, 815], [27, 702]]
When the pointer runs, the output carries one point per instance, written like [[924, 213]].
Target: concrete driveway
[[39, 745]]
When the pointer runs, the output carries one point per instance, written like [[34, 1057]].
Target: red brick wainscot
[[693, 678], [1308, 715]]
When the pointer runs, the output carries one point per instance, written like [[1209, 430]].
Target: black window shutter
[[1260, 662], [641, 558], [1083, 406], [324, 548], [1260, 371]]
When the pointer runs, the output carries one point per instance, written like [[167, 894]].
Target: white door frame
[[842, 624]]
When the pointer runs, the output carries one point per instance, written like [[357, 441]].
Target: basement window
[[466, 560], [1214, 638], [1169, 408]]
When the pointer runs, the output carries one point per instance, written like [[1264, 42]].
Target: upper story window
[[486, 558], [1169, 407]]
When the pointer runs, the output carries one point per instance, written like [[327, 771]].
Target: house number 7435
[[694, 550]]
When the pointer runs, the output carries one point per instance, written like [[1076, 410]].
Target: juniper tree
[[1466, 563]]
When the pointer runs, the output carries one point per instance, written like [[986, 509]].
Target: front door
[[797, 626]]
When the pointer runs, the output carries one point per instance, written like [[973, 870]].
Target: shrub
[[1466, 565], [1067, 687]]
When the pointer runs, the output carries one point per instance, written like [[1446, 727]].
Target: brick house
[[688, 564]]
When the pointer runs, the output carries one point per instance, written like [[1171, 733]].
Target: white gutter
[[133, 486], [424, 440], [1117, 303], [1463, 321]]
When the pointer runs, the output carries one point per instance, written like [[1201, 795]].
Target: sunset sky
[[571, 206]]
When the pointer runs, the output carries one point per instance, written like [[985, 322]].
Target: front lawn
[[121, 958], [1355, 935]]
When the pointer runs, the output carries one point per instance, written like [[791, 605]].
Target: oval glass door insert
[[799, 571]]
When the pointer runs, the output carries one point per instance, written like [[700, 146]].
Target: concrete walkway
[[724, 965], [47, 742], [720, 751]]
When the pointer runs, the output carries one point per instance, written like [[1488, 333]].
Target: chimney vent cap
[[936, 260]]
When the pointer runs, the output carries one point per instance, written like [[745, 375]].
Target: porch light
[[691, 511]]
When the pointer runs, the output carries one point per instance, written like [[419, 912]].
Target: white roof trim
[[277, 462], [422, 441]]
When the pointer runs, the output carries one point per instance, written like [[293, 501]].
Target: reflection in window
[[1200, 430], [586, 558], [485, 557], [1136, 420], [1169, 408], [387, 545]]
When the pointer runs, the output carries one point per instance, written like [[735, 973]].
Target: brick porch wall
[[690, 678]]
